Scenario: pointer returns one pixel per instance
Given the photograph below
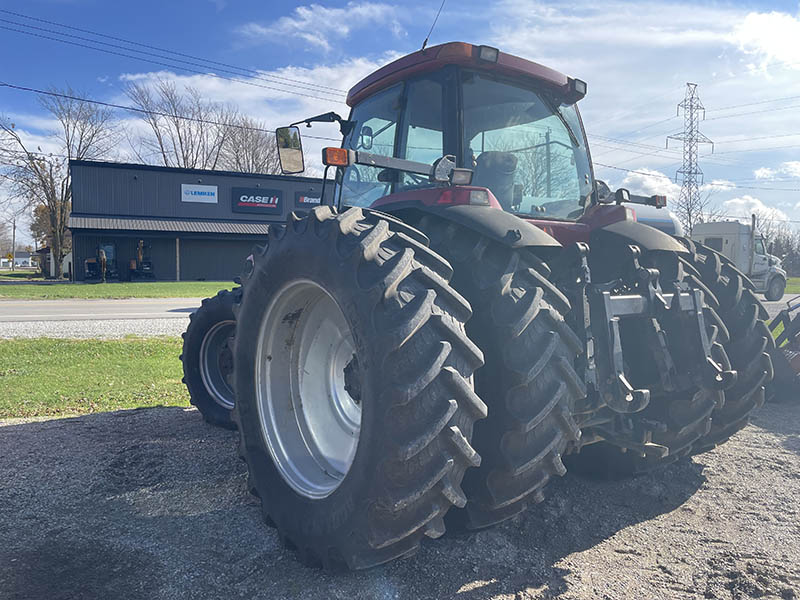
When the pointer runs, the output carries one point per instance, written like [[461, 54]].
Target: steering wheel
[[556, 207], [418, 179]]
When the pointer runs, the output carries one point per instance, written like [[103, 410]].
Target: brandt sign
[[206, 194], [306, 199], [256, 200]]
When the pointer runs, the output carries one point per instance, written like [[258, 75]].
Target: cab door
[[760, 264]]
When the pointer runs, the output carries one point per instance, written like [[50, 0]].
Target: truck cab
[[743, 244]]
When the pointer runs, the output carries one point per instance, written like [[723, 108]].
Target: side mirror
[[365, 138], [622, 195], [658, 201], [290, 150]]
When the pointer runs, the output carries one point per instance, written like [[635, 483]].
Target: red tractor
[[465, 314]]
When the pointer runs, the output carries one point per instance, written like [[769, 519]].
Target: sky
[[299, 59]]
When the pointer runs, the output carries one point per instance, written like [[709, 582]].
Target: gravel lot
[[95, 329], [151, 504]]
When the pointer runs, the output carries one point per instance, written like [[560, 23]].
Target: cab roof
[[452, 53]]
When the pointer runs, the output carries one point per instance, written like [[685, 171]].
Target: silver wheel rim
[[307, 388], [216, 363]]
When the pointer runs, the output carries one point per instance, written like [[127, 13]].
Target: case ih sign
[[256, 200]]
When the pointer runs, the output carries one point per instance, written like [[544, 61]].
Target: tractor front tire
[[354, 396], [528, 382], [207, 358], [748, 345]]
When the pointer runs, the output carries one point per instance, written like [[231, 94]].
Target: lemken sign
[[205, 194], [256, 200]]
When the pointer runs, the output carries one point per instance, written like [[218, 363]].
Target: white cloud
[[321, 25], [764, 173], [649, 182], [770, 38], [745, 206], [790, 168], [718, 185], [277, 108]]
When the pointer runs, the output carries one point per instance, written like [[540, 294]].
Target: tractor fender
[[488, 221], [631, 232]]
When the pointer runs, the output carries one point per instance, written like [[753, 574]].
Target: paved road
[[773, 308], [95, 318], [118, 318]]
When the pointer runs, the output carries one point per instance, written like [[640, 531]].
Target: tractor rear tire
[[528, 382], [353, 378], [743, 315], [208, 359]]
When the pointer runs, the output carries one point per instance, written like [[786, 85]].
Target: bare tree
[[184, 129], [35, 178], [249, 148], [702, 209], [5, 239]]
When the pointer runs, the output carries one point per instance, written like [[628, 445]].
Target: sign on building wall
[[306, 199], [256, 200], [205, 194]]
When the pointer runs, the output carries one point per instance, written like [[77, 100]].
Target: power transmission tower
[[690, 205]]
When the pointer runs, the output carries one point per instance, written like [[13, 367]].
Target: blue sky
[[636, 58]]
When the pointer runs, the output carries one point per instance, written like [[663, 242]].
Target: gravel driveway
[[151, 504]]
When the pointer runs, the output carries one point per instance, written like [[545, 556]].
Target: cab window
[[374, 131], [524, 146], [421, 138], [760, 247]]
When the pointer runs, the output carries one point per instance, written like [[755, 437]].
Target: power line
[[147, 112], [616, 168], [753, 103], [171, 66], [134, 43], [753, 112]]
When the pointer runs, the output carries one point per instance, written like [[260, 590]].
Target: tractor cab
[[522, 138], [512, 122]]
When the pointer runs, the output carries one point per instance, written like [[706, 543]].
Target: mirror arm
[[345, 126]]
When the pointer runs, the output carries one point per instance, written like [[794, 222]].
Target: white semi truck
[[745, 246]]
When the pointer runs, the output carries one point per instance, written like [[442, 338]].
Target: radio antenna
[[436, 18]]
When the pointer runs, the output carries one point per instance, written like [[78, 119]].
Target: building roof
[[167, 225], [22, 254], [208, 172]]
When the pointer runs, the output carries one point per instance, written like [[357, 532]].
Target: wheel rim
[[775, 290], [216, 363], [306, 352]]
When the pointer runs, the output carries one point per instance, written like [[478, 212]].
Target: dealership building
[[192, 224]]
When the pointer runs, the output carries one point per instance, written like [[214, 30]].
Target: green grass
[[49, 377], [793, 285], [160, 289], [16, 275]]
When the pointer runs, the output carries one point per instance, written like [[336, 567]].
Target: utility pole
[[692, 175], [13, 241]]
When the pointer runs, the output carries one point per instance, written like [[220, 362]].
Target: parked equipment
[[746, 247], [141, 267], [786, 354], [103, 266], [207, 358], [469, 310]]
